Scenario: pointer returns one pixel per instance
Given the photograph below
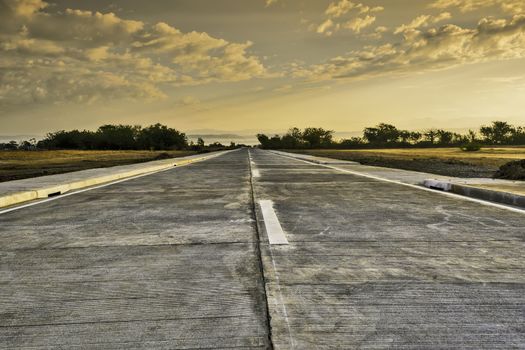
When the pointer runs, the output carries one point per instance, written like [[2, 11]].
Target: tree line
[[116, 137], [161, 137], [389, 136]]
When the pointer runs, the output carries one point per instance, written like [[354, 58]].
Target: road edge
[[47, 191], [463, 196], [472, 191]]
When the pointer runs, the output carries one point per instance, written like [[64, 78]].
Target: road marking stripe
[[280, 297], [421, 188], [271, 222]]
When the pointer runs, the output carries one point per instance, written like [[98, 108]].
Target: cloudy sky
[[242, 66]]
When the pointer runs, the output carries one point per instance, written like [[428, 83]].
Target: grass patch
[[16, 165], [441, 161]]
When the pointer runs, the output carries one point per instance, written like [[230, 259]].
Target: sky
[[248, 66]]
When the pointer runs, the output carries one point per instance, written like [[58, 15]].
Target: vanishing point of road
[[254, 250]]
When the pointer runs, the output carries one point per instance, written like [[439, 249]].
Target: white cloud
[[378, 33], [24, 8], [284, 88], [188, 101], [338, 9], [359, 23], [422, 21], [348, 15], [436, 48], [509, 6], [85, 56], [325, 26]]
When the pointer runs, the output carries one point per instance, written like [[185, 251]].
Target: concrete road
[[184, 259], [162, 262], [377, 265]]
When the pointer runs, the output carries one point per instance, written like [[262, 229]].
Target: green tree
[[415, 137], [498, 133], [458, 139], [518, 136], [445, 137], [275, 142], [73, 139], [431, 136], [200, 142], [353, 142], [118, 137], [317, 137], [383, 134], [160, 137], [263, 140], [292, 139], [472, 136], [9, 146], [404, 135]]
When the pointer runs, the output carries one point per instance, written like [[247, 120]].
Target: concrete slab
[[377, 265], [19, 191], [495, 190], [167, 261], [182, 259]]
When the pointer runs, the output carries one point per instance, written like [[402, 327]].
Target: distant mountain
[[211, 136], [225, 138], [347, 134], [18, 138], [248, 137]]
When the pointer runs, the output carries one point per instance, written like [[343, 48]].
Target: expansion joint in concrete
[[259, 255]]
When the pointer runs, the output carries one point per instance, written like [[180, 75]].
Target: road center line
[[274, 230]]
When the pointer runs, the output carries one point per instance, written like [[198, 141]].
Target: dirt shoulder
[[16, 165], [440, 161]]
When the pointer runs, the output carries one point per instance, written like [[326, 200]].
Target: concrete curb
[[50, 190], [457, 186], [477, 192]]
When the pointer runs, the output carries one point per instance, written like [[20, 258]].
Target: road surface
[[184, 259]]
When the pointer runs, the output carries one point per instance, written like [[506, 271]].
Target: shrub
[[471, 147], [514, 170]]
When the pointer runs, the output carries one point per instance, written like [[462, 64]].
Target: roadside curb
[[477, 192], [448, 185], [50, 190]]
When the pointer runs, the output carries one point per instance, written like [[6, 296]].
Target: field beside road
[[15, 165], [441, 161]]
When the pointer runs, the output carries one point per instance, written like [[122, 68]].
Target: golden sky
[[242, 66]]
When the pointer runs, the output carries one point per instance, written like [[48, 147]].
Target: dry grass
[[486, 156], [443, 161], [24, 164]]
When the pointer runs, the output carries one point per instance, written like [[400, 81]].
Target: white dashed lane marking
[[274, 230]]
